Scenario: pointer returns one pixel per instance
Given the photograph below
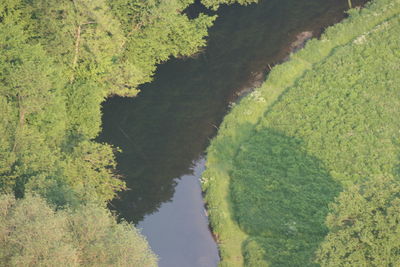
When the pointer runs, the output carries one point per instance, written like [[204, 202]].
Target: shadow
[[169, 124], [280, 198]]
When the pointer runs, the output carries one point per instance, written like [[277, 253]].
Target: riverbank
[[239, 239], [170, 123]]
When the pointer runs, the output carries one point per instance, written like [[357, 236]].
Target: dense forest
[[59, 61], [305, 170]]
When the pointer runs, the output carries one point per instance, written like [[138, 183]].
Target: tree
[[156, 30], [214, 4], [100, 241], [60, 60], [34, 234], [30, 103], [364, 226]]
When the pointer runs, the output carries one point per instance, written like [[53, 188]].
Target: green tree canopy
[[30, 103], [214, 4], [59, 61], [364, 226], [34, 234]]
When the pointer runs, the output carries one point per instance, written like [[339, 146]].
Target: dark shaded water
[[164, 131]]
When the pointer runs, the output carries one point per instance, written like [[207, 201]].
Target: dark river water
[[164, 131]]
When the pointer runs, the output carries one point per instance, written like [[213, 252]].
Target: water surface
[[164, 130], [194, 245]]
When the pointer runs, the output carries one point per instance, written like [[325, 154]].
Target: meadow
[[322, 121]]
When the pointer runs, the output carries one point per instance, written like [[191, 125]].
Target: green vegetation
[[280, 195], [59, 61], [215, 4], [33, 234], [322, 121], [364, 226]]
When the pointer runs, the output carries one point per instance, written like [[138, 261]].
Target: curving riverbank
[[243, 122], [168, 126]]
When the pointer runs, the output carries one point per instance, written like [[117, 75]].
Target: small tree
[[364, 226]]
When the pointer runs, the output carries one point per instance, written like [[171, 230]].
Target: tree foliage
[[60, 59], [36, 151], [155, 31], [34, 234], [214, 4], [30, 104], [364, 226]]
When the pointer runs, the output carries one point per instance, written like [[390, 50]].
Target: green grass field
[[322, 121]]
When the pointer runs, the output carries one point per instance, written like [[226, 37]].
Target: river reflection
[[195, 246], [169, 124], [163, 130]]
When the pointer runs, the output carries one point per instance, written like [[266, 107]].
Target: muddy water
[[165, 130]]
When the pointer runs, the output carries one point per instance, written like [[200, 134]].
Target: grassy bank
[[321, 121]]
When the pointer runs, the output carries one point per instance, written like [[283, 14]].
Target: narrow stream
[[164, 132]]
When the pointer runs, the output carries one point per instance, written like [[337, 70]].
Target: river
[[164, 131]]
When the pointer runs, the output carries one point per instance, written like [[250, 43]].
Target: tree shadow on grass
[[280, 198]]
